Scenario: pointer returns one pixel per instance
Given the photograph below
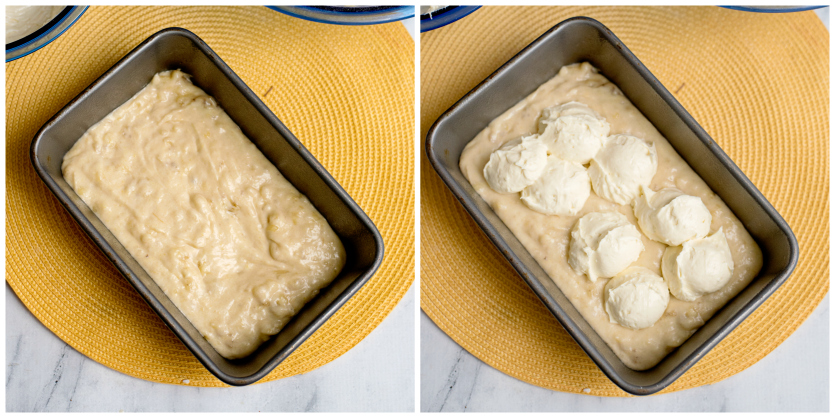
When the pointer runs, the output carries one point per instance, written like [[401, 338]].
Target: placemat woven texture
[[347, 92], [759, 85]]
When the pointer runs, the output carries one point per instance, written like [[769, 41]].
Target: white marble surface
[[44, 374], [794, 377], [823, 14]]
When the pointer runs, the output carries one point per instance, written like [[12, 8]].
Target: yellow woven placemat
[[759, 85], [347, 92]]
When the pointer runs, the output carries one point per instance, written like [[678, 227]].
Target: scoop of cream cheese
[[670, 216], [621, 167], [572, 131], [562, 189], [516, 165], [698, 267], [23, 20], [603, 244], [636, 298]]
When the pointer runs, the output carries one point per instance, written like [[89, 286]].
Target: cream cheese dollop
[[562, 189], [636, 298], [573, 131], [516, 165], [670, 216], [603, 244], [698, 267], [621, 167]]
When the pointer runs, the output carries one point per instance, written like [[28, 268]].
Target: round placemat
[[347, 92], [759, 85]]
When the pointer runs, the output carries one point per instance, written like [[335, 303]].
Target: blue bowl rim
[[69, 15], [766, 9], [377, 15], [447, 16]]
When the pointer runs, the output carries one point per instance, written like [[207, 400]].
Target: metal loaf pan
[[584, 39], [176, 48]]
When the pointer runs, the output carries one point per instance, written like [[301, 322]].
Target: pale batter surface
[[233, 244], [546, 237]]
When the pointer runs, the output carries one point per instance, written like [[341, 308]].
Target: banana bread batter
[[233, 244]]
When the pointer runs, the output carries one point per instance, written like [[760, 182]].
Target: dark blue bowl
[[46, 34], [772, 9], [341, 15], [443, 17]]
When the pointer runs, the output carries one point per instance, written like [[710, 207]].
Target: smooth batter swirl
[[233, 244]]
